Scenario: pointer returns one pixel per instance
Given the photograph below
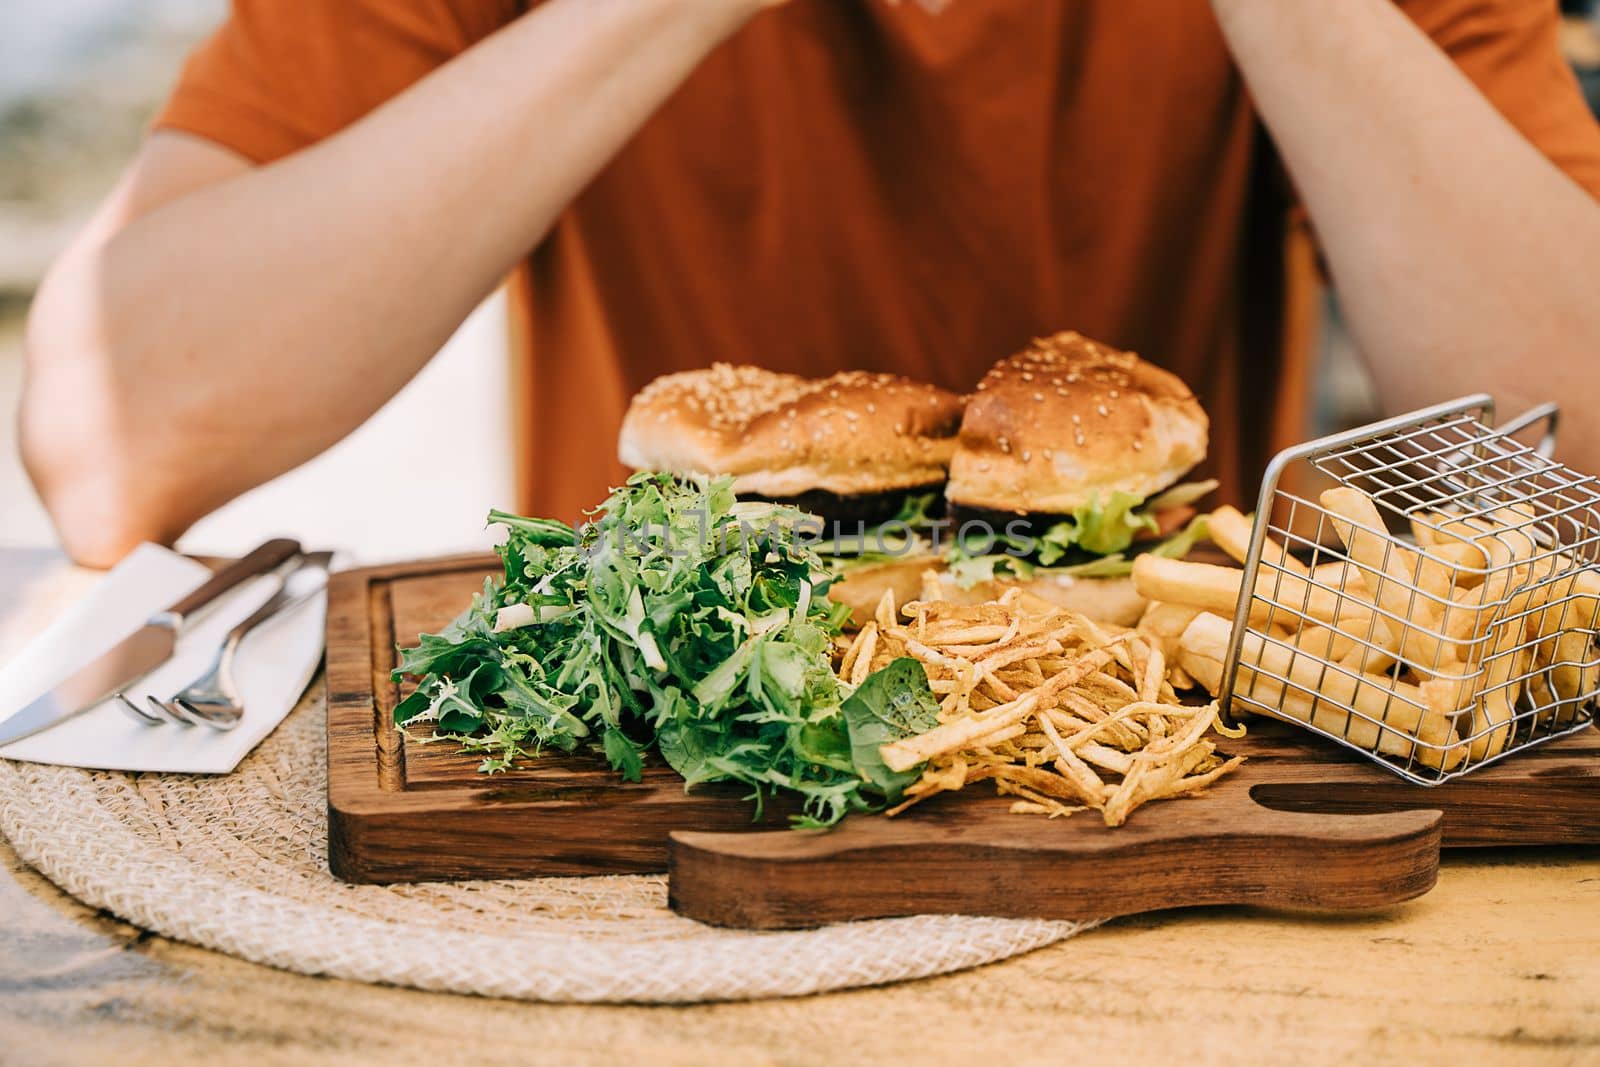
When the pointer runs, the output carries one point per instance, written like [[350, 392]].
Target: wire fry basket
[[1436, 609]]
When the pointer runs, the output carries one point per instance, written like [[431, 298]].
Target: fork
[[213, 698]]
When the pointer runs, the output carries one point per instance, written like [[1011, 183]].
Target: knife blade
[[140, 653]]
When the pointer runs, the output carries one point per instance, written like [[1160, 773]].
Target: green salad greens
[[680, 625]]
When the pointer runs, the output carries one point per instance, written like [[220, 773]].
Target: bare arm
[[218, 324], [1464, 259]]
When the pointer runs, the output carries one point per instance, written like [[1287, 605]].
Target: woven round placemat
[[238, 863]]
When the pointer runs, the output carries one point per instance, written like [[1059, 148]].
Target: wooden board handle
[[976, 858]]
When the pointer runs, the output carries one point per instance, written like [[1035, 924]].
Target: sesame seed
[[1114, 394], [1038, 396], [1060, 392], [1026, 456], [872, 409], [1005, 446], [1138, 446], [1027, 377], [1047, 454], [1103, 410], [900, 428], [1078, 437], [1076, 419]]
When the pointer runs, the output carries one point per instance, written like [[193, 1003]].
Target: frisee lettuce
[[679, 624]]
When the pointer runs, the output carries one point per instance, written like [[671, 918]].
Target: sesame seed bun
[[781, 435], [1068, 420]]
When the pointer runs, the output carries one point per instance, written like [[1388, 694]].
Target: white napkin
[[274, 666]]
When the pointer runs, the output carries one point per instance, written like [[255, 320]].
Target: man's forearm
[[240, 329], [1464, 259]]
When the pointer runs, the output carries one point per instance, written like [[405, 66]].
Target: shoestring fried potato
[[1060, 712]]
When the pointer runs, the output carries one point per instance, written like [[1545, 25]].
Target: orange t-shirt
[[847, 183]]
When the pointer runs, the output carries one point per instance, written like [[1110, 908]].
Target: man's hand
[[1465, 260]]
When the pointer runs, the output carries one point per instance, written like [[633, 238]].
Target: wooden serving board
[[1302, 823]]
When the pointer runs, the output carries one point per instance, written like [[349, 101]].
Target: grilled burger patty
[[865, 509]]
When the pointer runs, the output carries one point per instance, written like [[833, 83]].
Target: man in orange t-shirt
[[809, 186]]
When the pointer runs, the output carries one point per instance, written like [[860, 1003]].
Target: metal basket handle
[[1548, 413]]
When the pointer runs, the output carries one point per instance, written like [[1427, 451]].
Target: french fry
[[853, 653], [1163, 624], [1386, 710], [863, 663], [1506, 663], [1216, 589], [1088, 784], [1202, 656], [993, 661], [1337, 573], [1367, 642], [1231, 531], [1510, 552], [1374, 648], [1404, 583], [1574, 673], [1202, 585], [1145, 781], [952, 736], [1468, 615], [1155, 672], [1325, 643], [1463, 557], [885, 614]]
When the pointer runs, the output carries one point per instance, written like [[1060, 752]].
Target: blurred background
[[79, 80]]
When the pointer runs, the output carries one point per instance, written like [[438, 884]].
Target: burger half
[[1068, 462], [856, 449]]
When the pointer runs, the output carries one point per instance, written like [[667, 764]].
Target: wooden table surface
[[1500, 963]]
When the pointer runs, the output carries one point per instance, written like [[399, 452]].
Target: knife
[[143, 651]]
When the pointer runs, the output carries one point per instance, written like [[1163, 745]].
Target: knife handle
[[285, 598], [263, 559]]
